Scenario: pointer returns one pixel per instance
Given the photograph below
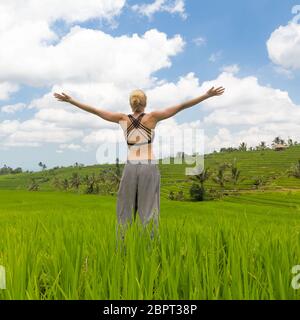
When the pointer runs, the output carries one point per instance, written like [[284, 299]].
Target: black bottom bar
[[146, 309]]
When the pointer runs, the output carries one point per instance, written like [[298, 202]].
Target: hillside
[[269, 165]]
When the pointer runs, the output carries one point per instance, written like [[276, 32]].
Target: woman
[[139, 189]]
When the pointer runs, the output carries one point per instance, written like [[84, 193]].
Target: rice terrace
[[232, 232]]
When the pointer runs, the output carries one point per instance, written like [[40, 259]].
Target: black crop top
[[136, 124]]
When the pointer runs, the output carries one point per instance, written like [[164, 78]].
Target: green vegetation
[[58, 231], [57, 245], [231, 171]]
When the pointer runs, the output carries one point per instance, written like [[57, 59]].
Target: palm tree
[[91, 183], [75, 181], [282, 141], [295, 170], [243, 146], [17, 170], [259, 181], [290, 142], [220, 177], [33, 186], [197, 189], [171, 195], [180, 195], [5, 169], [262, 146], [235, 172], [56, 183], [65, 184], [277, 140], [201, 177], [42, 165]]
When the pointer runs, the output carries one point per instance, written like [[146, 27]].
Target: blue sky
[[225, 43]]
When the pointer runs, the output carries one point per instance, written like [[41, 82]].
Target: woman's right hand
[[62, 97]]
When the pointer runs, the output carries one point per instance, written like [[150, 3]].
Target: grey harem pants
[[139, 191]]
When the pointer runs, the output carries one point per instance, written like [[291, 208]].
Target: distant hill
[[269, 166]]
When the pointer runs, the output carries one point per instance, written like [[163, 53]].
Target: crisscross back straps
[[136, 123]]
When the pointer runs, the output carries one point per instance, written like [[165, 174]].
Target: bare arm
[[171, 111], [104, 114]]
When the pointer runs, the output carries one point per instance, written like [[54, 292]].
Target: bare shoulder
[[151, 118], [153, 115], [123, 116]]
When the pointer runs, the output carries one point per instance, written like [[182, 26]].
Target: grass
[[64, 246]]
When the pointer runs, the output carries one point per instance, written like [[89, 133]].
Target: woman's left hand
[[215, 92]]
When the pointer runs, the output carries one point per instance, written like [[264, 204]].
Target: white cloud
[[223, 138], [214, 57], [246, 102], [64, 115], [282, 71], [72, 59], [234, 68], [68, 119], [52, 116], [171, 6], [172, 137], [252, 135], [248, 111], [34, 132], [104, 135], [6, 89], [8, 127], [51, 10], [284, 46], [13, 108], [29, 55], [71, 146], [101, 70], [77, 63], [199, 41], [169, 93], [25, 43]]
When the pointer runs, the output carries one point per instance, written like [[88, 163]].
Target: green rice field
[[57, 245]]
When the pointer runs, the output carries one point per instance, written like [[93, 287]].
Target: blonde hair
[[138, 100]]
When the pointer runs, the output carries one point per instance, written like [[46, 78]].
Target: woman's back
[[139, 134]]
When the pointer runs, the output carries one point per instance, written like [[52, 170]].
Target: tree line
[[106, 181], [261, 146]]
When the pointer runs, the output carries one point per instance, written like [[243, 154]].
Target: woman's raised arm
[[171, 111], [104, 114]]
